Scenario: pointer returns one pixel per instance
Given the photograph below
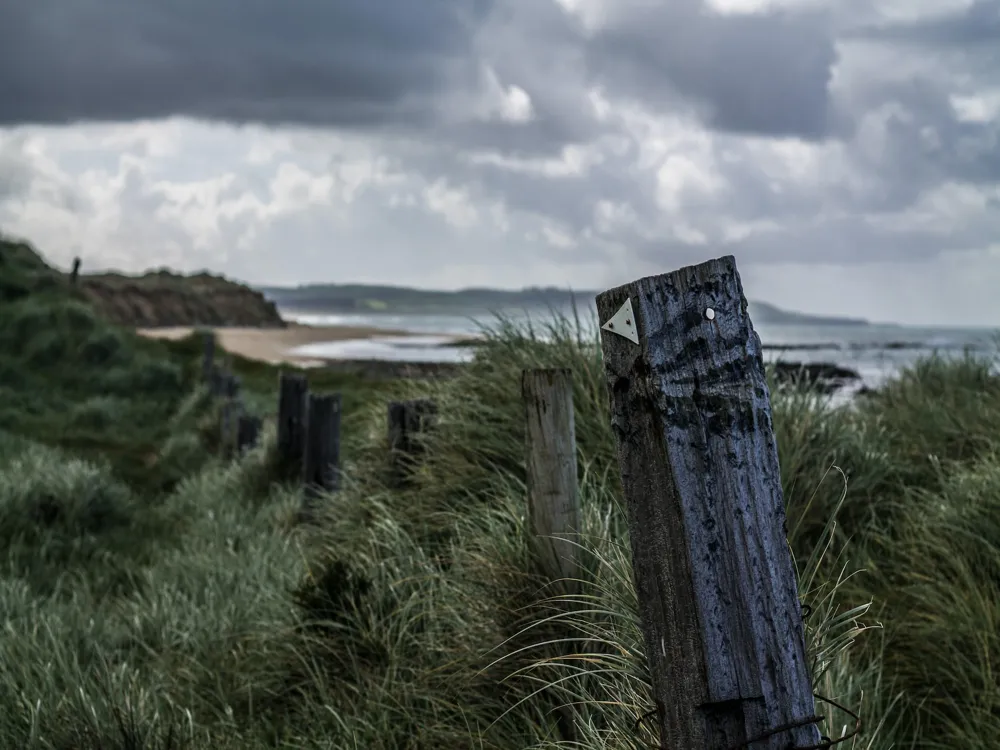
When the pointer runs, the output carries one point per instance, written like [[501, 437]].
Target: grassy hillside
[[71, 379], [162, 299], [196, 614]]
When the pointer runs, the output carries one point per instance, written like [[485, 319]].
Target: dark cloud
[[357, 63], [979, 24], [852, 241], [923, 140], [331, 62], [765, 73], [876, 180]]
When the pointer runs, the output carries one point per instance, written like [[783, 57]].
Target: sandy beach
[[273, 344]]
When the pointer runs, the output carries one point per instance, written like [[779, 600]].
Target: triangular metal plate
[[623, 323]]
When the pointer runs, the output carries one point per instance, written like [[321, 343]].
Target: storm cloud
[[356, 63], [452, 142], [349, 62], [766, 73]]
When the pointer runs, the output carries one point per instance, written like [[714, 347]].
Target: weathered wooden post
[[716, 586], [233, 385], [208, 355], [232, 408], [292, 403], [219, 380], [550, 460], [75, 273], [408, 420], [321, 464], [247, 433]]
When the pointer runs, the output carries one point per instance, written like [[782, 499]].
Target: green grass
[[153, 595], [70, 380]]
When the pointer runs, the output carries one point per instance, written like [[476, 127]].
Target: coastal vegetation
[[155, 596]]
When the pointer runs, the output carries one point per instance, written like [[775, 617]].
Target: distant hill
[[762, 312], [164, 299], [364, 298]]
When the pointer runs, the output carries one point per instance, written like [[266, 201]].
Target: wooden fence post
[[208, 355], [215, 381], [407, 421], [550, 460], [292, 402], [221, 381], [321, 460], [247, 433], [232, 409], [691, 412]]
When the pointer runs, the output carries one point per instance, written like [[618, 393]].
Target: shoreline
[[276, 345], [376, 353]]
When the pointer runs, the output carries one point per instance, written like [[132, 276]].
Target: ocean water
[[875, 352]]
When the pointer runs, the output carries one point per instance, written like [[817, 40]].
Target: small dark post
[[228, 386], [75, 273], [232, 409], [223, 383], [294, 390], [408, 420], [247, 433], [716, 586], [233, 385], [321, 464], [550, 459], [208, 355], [218, 382]]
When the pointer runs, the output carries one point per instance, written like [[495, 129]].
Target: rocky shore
[[824, 376]]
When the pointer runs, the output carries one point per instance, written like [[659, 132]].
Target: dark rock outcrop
[[823, 376]]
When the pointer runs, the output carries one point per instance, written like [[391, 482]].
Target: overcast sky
[[847, 152]]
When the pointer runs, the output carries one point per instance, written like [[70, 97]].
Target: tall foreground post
[[550, 460], [691, 412]]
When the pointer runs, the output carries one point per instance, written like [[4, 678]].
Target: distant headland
[[400, 300]]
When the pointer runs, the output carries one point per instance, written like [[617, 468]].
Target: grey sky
[[846, 151]]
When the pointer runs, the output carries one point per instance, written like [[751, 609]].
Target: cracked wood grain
[[691, 413]]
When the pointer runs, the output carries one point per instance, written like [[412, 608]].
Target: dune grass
[[154, 596]]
